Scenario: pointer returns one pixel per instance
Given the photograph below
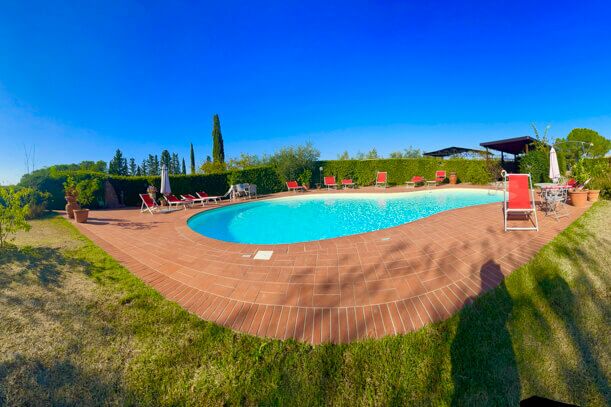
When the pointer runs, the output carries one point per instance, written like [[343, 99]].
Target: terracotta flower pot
[[578, 198], [71, 206], [593, 195], [81, 215], [453, 178]]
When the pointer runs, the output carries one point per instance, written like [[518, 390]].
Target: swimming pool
[[304, 218]]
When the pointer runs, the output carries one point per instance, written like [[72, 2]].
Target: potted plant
[[305, 178], [70, 195], [596, 184], [86, 190], [579, 195], [598, 171], [152, 191]]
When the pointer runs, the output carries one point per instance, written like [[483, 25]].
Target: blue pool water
[[305, 218]]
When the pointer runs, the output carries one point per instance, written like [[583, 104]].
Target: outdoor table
[[551, 200]]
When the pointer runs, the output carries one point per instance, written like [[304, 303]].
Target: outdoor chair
[[381, 179], [330, 182], [554, 201], [440, 176], [148, 204], [416, 179], [194, 199], [173, 201], [519, 198], [347, 182], [294, 186], [207, 198], [252, 190]]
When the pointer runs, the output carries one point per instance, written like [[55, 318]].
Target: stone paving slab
[[337, 290]]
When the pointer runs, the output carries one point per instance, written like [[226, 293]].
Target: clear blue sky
[[80, 79]]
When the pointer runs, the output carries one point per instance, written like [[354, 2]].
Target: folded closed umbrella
[[165, 181], [554, 170]]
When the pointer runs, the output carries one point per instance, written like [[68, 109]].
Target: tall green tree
[[166, 159], [218, 149], [144, 167], [343, 156], [192, 155], [118, 164], [175, 164], [132, 167], [152, 165], [156, 166], [184, 167], [583, 142]]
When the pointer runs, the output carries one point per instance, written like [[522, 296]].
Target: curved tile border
[[337, 290]]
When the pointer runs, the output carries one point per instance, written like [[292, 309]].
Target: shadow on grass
[[32, 381], [484, 369], [45, 264], [566, 306]]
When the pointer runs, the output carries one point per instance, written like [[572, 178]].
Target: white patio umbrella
[[165, 181], [554, 170]]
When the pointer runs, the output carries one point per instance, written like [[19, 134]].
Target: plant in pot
[[86, 190], [70, 195], [579, 195], [152, 191], [305, 177], [597, 171]]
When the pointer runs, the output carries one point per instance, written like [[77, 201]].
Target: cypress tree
[[132, 166], [166, 159], [118, 164], [192, 160], [144, 168], [184, 167], [175, 164], [156, 169], [218, 149]]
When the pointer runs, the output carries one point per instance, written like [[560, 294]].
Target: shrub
[[13, 212], [535, 163], [363, 172], [290, 162], [602, 183], [128, 188], [305, 177], [86, 189]]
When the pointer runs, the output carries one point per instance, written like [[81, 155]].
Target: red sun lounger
[[208, 198], [330, 182], [173, 201], [382, 179], [347, 182], [148, 204], [294, 186], [519, 198]]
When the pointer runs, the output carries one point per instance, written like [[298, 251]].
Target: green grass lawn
[[77, 328]]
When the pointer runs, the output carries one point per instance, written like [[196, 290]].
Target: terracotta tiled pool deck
[[338, 290]]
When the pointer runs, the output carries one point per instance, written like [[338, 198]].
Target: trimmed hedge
[[128, 188], [363, 172]]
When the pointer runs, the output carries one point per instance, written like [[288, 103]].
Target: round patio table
[[551, 199], [545, 185]]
